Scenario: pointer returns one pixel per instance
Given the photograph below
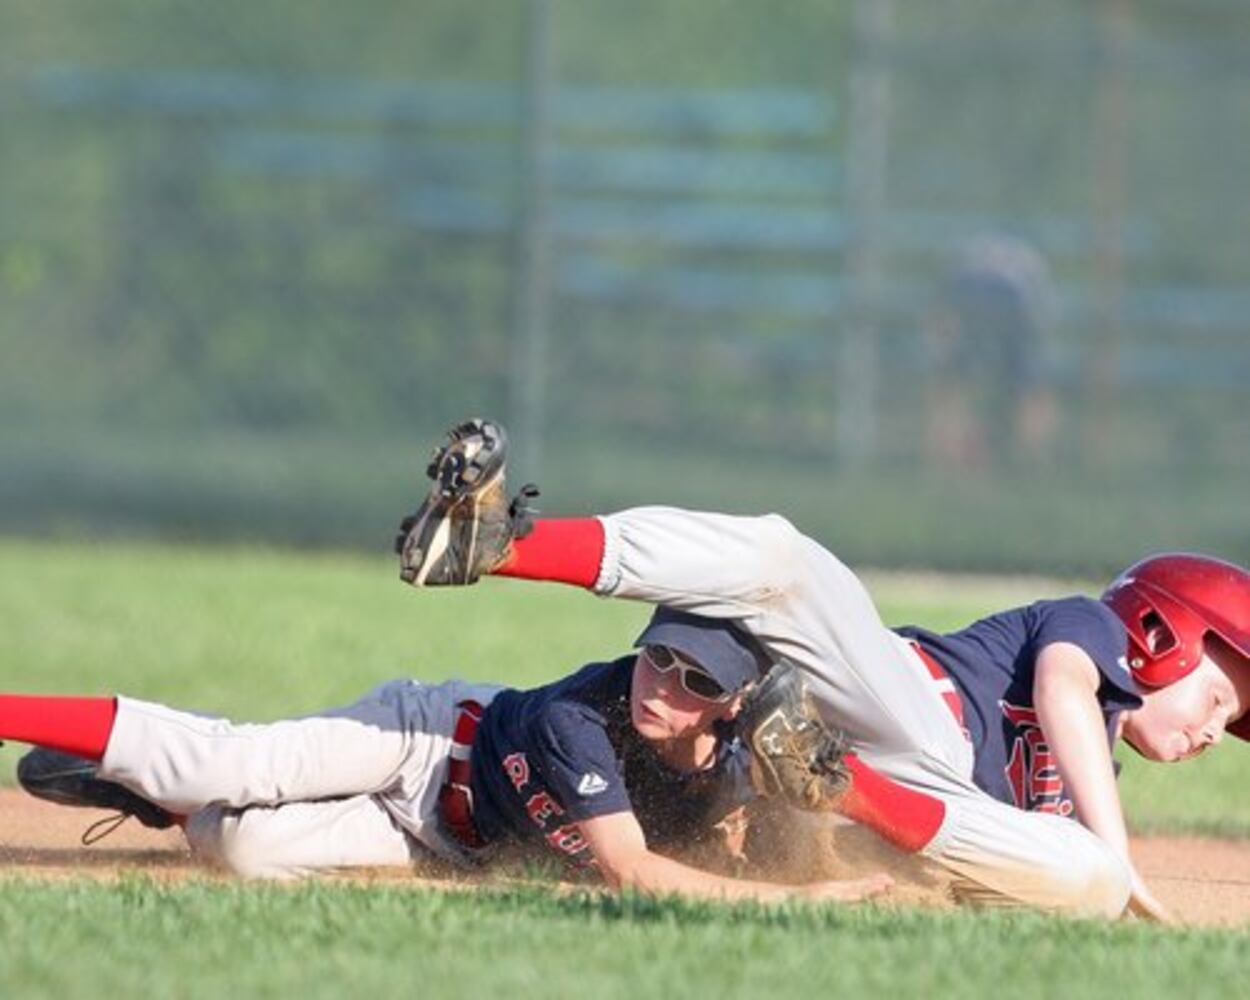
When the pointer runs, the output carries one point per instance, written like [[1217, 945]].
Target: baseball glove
[[794, 753]]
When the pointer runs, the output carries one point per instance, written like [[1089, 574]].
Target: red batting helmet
[[1170, 604]]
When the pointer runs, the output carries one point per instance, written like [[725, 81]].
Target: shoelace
[[102, 828]]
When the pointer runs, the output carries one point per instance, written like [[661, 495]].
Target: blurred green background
[[961, 284]]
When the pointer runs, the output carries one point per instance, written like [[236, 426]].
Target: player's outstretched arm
[[1065, 693], [626, 862]]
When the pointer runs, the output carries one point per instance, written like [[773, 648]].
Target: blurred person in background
[[989, 392]]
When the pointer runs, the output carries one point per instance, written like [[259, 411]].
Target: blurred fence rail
[[956, 284]]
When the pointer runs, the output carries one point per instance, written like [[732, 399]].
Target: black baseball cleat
[[466, 525], [68, 780]]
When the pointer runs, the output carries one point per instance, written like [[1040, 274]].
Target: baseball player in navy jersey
[[606, 767], [981, 749]]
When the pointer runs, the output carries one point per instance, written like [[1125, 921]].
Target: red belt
[[455, 798], [946, 687]]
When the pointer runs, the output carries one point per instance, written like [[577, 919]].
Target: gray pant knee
[[218, 835]]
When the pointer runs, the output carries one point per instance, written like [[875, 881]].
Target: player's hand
[[731, 833], [847, 890], [1145, 905]]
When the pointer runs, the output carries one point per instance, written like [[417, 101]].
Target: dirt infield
[[1205, 882]]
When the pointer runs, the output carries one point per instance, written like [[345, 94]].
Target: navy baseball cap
[[730, 655]]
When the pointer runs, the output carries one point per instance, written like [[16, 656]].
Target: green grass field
[[260, 634], [141, 939]]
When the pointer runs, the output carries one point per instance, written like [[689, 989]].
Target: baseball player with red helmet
[[980, 749], [609, 767]]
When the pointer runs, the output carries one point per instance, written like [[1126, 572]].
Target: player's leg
[[1002, 855], [797, 598], [181, 761], [298, 839], [395, 738], [793, 594]]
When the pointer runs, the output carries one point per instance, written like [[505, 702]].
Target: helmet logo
[[1159, 638]]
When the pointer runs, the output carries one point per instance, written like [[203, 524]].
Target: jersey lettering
[[541, 807], [1031, 770], [568, 839], [518, 769]]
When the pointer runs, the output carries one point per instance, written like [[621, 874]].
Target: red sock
[[560, 549], [80, 726], [908, 819]]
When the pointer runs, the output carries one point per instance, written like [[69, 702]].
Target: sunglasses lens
[[661, 657], [700, 684]]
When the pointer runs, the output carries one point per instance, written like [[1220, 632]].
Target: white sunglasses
[[694, 679]]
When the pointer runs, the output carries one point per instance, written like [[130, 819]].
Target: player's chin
[[1166, 754], [1139, 747], [651, 725]]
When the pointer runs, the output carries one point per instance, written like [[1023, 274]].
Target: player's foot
[[465, 526], [73, 781]]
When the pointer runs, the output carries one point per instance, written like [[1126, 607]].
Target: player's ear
[[732, 707]]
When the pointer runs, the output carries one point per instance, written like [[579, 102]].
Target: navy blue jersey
[[547, 758], [992, 662]]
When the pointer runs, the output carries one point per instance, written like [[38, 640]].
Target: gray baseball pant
[[350, 787]]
